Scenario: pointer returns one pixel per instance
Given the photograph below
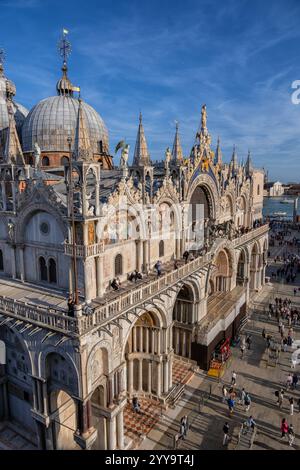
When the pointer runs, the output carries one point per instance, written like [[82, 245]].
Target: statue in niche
[[11, 230]]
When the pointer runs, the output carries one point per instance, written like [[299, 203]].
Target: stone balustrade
[[254, 233], [84, 251], [57, 319]]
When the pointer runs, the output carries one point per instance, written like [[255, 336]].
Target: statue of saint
[[124, 156], [37, 156], [11, 230], [168, 156]]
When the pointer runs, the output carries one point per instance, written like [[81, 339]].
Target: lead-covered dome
[[53, 119]]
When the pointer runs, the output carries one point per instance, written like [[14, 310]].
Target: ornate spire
[[249, 166], [13, 151], [141, 154], [218, 154], [82, 146], [177, 155], [234, 161]]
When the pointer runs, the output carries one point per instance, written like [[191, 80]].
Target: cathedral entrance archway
[[183, 317], [149, 368]]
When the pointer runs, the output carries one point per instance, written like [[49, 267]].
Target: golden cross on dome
[[64, 46]]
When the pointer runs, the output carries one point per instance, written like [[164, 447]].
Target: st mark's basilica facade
[[71, 222]]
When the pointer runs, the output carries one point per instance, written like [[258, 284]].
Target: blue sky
[[167, 58]]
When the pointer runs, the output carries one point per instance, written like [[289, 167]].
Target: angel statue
[[124, 153], [37, 156]]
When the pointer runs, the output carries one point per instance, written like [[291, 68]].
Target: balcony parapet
[[84, 251]]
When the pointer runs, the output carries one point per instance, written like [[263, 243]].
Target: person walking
[[291, 400], [184, 426], [233, 378], [231, 403], [291, 435], [247, 402], [249, 341], [224, 393], [284, 428], [243, 347], [226, 432], [289, 381], [242, 397], [251, 423], [295, 380]]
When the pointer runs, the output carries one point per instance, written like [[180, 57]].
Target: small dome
[[53, 119]]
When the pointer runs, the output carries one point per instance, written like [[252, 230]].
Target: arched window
[[64, 161], [43, 269], [45, 161], [118, 265], [258, 190], [52, 270], [161, 250], [1, 261], [101, 146]]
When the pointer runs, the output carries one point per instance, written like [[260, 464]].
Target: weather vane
[[64, 46], [2, 56]]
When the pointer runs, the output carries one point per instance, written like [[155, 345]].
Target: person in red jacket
[[284, 428]]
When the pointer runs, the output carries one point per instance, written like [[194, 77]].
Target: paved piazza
[[254, 374]]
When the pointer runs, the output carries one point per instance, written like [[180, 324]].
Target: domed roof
[[53, 119], [7, 91]]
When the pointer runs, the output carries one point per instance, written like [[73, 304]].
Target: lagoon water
[[274, 204]]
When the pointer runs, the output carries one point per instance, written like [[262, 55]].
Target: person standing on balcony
[[70, 307], [186, 256], [158, 268]]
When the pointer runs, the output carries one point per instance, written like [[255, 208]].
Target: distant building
[[274, 189]]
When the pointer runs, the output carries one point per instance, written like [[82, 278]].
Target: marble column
[[111, 433], [13, 262], [166, 376], [130, 375], [149, 377], [153, 332], [141, 331], [134, 338], [158, 391], [140, 375], [100, 283], [111, 392], [45, 398], [170, 371], [158, 342], [183, 343], [120, 430], [21, 256], [146, 331]]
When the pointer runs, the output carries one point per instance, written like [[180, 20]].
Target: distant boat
[[287, 201]]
